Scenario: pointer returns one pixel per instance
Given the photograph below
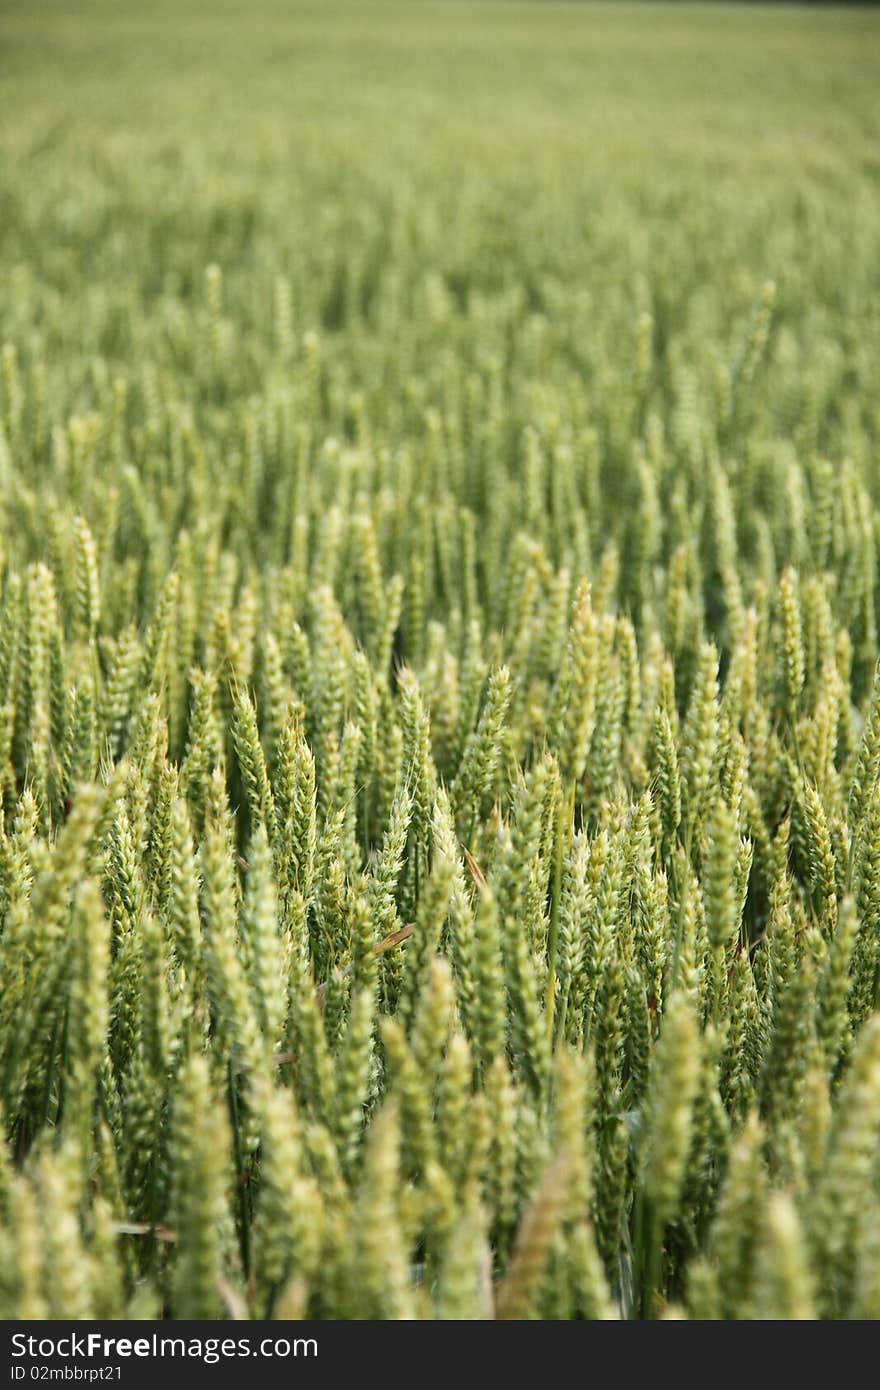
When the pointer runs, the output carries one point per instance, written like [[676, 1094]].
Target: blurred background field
[[543, 143]]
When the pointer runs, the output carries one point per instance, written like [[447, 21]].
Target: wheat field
[[439, 712]]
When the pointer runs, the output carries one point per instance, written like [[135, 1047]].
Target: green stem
[[564, 825], [647, 1255], [244, 1214]]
